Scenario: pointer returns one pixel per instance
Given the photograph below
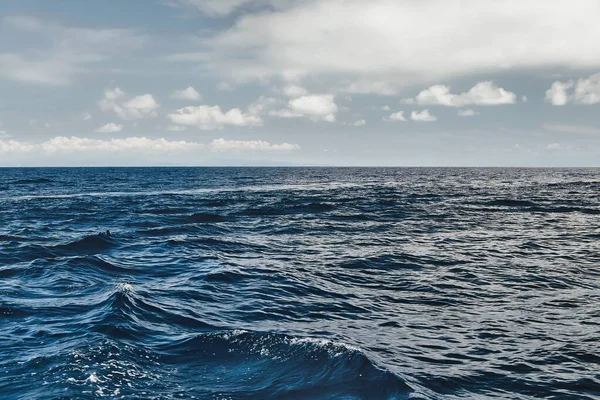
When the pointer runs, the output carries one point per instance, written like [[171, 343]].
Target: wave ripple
[[299, 283]]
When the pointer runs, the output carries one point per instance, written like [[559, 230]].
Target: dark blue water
[[299, 283]]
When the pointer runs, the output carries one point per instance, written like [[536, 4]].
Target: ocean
[[299, 283]]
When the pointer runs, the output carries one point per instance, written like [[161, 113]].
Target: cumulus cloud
[[558, 95], [317, 107], [422, 116], [467, 113], [584, 91], [137, 107], [587, 90], [354, 40], [186, 94], [482, 94], [397, 116], [210, 118], [110, 128], [250, 145]]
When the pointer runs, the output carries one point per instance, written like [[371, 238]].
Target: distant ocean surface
[[299, 283]]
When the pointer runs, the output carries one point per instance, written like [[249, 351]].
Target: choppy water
[[299, 283]]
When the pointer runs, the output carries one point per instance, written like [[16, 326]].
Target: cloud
[[294, 91], [4, 134], [385, 108], [63, 144], [137, 107], [557, 95], [110, 128], [56, 54], [24, 23], [467, 113], [560, 146], [397, 116], [367, 87], [210, 118], [423, 116], [222, 8], [80, 150], [262, 105], [186, 94], [86, 116], [360, 122], [586, 91], [482, 94], [356, 40], [317, 107], [250, 145]]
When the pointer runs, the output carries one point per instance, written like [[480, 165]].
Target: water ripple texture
[[299, 283]]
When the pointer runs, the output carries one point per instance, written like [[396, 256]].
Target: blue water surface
[[299, 283]]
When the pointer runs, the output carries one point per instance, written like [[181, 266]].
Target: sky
[[300, 82]]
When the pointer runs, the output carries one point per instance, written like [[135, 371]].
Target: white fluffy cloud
[[250, 145], [209, 118], [357, 40], [586, 91], [397, 116], [482, 94], [186, 94], [110, 128], [137, 107], [317, 107], [558, 95], [422, 116]]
